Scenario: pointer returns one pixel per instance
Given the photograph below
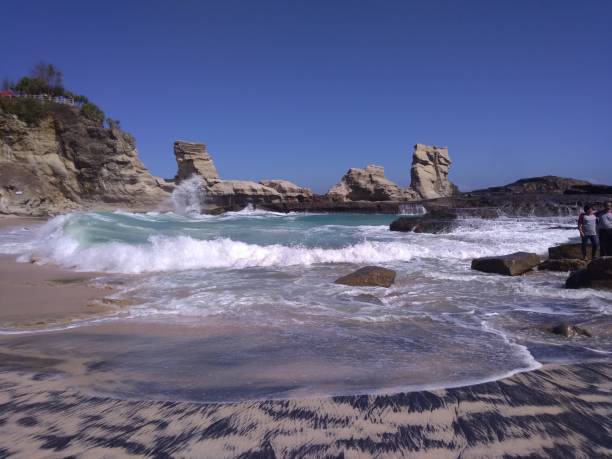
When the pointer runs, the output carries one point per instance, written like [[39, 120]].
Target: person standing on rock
[[587, 226], [605, 231]]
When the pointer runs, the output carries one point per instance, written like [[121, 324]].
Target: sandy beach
[[554, 412], [35, 295]]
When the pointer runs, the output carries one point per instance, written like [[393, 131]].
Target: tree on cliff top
[[47, 79]]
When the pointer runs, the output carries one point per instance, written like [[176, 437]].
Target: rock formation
[[369, 276], [289, 191], [369, 184], [194, 159], [429, 173], [545, 184], [66, 161], [513, 264]]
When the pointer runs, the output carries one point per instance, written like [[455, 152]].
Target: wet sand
[[554, 412], [33, 296]]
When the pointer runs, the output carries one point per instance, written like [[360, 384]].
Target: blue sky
[[303, 90]]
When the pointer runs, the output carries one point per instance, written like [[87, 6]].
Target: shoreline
[[558, 410]]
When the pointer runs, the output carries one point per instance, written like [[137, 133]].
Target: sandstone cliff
[[66, 161]]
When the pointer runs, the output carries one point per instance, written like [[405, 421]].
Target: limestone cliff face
[[429, 173], [369, 184], [194, 159], [69, 162]]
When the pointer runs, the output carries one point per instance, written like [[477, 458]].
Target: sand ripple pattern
[[561, 412]]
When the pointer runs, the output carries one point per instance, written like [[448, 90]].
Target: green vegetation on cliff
[[45, 80]]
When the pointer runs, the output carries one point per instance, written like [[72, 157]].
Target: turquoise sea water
[[267, 280]]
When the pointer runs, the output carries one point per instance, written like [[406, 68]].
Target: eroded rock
[[369, 276], [289, 191], [429, 172], [369, 184], [434, 223], [193, 159], [513, 264]]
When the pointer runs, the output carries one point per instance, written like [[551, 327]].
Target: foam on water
[[275, 273]]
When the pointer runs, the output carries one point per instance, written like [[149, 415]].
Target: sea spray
[[188, 196]]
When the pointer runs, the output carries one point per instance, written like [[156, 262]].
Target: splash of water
[[412, 209], [188, 196]]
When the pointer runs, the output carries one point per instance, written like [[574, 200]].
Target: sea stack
[[193, 159], [429, 173]]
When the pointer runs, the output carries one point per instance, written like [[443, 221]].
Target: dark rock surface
[[568, 330], [435, 223], [562, 264], [369, 276], [513, 264], [565, 251], [597, 274]]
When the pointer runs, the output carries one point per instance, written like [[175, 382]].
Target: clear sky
[[303, 90]]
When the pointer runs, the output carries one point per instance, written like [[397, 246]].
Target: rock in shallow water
[[565, 251], [562, 264], [568, 330], [369, 276], [598, 275], [513, 264], [434, 223]]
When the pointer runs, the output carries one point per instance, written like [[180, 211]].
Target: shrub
[[28, 110], [92, 112]]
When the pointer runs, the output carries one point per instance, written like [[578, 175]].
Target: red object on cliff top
[[7, 93]]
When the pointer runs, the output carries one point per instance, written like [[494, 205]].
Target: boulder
[[289, 191], [429, 172], [369, 184], [509, 265], [597, 274], [369, 276], [568, 330], [193, 159], [562, 264], [435, 223], [565, 251]]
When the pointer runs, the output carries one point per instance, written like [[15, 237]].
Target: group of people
[[596, 228]]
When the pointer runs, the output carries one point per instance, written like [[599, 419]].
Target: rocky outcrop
[[544, 184], [565, 251], [434, 223], [513, 264], [562, 264], [369, 276], [429, 173], [66, 161], [369, 184], [598, 275], [289, 191], [240, 193], [193, 159]]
